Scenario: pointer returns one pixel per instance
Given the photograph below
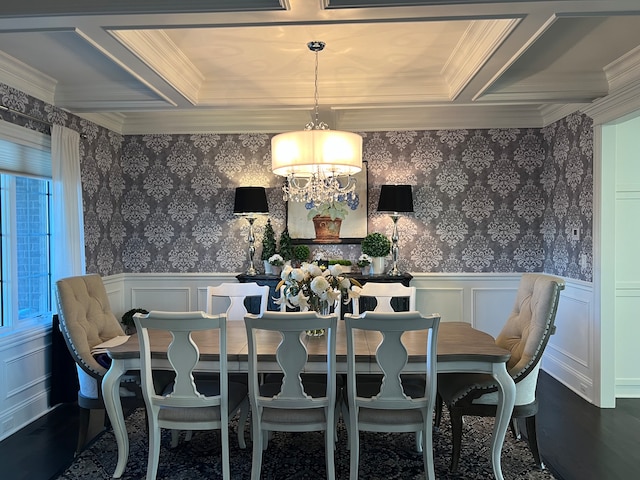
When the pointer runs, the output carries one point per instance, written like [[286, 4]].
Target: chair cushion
[[237, 394]]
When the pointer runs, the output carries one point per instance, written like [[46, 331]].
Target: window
[[25, 214], [25, 207]]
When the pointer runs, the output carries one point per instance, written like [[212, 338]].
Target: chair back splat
[[392, 403], [235, 294], [383, 294]]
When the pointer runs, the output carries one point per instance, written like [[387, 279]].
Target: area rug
[[298, 456]]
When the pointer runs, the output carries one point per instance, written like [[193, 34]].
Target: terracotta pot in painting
[[327, 230]]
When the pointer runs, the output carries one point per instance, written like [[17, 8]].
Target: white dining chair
[[291, 405], [188, 403], [383, 294], [235, 294], [391, 405]]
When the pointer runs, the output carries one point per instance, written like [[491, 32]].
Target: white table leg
[[111, 395], [506, 400]]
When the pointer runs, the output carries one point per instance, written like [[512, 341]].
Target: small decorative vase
[[323, 308], [377, 265], [366, 269], [268, 268], [276, 270]]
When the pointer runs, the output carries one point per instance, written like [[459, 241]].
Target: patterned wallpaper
[[496, 200]]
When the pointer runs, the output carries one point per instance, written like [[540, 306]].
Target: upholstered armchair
[[525, 335], [86, 320]]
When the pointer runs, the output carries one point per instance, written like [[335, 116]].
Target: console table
[[253, 305]]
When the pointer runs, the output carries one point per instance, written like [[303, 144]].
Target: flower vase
[[268, 268], [276, 270], [323, 308]]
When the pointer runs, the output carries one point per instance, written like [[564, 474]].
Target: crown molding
[[26, 79], [110, 121], [624, 71], [615, 106]]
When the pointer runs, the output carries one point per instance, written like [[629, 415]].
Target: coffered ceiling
[[243, 66]]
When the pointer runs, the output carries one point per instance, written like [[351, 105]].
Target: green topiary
[[376, 245], [286, 247], [301, 253], [343, 262], [269, 247]]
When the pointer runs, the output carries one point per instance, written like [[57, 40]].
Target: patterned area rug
[[297, 456]]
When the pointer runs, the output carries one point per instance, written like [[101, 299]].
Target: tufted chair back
[[86, 319], [531, 322]]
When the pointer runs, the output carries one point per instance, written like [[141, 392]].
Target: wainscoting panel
[[569, 356], [627, 339], [483, 300], [448, 302], [25, 368], [491, 308]]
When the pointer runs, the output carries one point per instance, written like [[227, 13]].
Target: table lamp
[[395, 199], [249, 202]]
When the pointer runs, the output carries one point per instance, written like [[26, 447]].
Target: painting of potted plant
[[340, 219]]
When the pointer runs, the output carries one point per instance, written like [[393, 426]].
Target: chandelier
[[318, 163]]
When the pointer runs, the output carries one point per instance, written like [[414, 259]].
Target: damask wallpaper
[[495, 200]]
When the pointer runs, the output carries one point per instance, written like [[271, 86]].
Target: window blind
[[24, 151]]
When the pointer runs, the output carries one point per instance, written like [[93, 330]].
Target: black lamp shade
[[395, 198], [250, 200]]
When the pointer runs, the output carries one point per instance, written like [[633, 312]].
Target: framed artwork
[[353, 227]]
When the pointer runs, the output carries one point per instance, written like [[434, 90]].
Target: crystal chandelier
[[317, 162]]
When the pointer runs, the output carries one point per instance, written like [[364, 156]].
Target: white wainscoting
[[25, 368]]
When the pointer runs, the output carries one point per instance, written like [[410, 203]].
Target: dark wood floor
[[578, 441]]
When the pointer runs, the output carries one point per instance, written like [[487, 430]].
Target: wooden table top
[[457, 341]]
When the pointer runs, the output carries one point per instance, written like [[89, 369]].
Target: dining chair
[[525, 334], [291, 405], [189, 403], [86, 320], [382, 295], [378, 297], [391, 405], [236, 294]]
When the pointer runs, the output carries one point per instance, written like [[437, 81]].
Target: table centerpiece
[[311, 287]]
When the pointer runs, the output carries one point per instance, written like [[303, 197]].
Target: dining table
[[460, 348]]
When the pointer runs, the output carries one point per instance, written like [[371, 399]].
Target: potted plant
[[377, 246], [276, 262], [127, 320], [345, 264], [301, 253], [269, 247], [286, 247], [363, 262]]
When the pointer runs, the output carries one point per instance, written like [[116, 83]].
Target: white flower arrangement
[[310, 286], [276, 260], [364, 260]]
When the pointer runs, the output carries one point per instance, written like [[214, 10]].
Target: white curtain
[[67, 217]]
